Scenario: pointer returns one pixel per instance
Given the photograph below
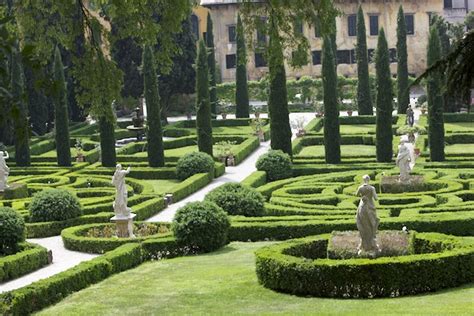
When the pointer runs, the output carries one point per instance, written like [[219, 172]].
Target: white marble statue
[[403, 162], [4, 170], [120, 203], [367, 220]]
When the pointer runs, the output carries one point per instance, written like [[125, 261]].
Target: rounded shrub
[[236, 199], [54, 205], [202, 226], [193, 163], [276, 164], [12, 230]]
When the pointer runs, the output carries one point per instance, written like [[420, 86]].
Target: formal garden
[[354, 197]]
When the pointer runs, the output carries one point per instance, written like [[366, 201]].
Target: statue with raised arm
[[4, 170], [367, 220], [120, 203], [403, 162]]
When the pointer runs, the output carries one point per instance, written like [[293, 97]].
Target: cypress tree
[[156, 156], [19, 111], [384, 101], [403, 96], [435, 100], [332, 136], [61, 117], [203, 106], [364, 101], [211, 61], [241, 88], [107, 141], [280, 130]]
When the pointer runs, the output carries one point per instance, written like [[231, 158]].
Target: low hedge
[[255, 179], [29, 258], [301, 267]]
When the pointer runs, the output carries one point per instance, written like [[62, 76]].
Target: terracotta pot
[[349, 112], [230, 161], [417, 151], [80, 158], [224, 116], [257, 114]]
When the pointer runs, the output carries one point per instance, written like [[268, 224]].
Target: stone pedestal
[[124, 225]]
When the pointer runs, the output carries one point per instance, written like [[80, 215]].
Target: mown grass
[[346, 151], [224, 282]]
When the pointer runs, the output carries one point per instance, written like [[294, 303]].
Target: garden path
[[63, 259]]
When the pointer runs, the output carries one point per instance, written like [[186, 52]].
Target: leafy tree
[[280, 130], [19, 111], [364, 100], [156, 156], [332, 136], [384, 101], [211, 65], [435, 100], [203, 106], [61, 117], [403, 95], [241, 87]]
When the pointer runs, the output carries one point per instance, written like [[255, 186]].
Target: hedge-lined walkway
[[63, 259]]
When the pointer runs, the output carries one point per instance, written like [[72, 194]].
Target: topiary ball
[[54, 205], [276, 164], [236, 199], [202, 226], [12, 230], [193, 163]]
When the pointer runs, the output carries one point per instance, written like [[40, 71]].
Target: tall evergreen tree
[[241, 87], [107, 140], [211, 57], [38, 106], [182, 77], [332, 137], [156, 156], [19, 111], [384, 101], [203, 106], [364, 101], [435, 100], [280, 130], [403, 95], [61, 117]]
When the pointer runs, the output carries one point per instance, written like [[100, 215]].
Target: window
[[261, 36], [317, 27], [343, 57], [316, 57], [260, 60], [410, 22], [448, 4], [371, 55], [230, 61], [232, 33], [195, 26], [352, 24], [298, 27], [374, 25], [393, 55]]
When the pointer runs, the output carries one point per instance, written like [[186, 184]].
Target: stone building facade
[[378, 13]]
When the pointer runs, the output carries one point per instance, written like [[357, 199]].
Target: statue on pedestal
[[367, 220], [410, 116], [123, 215], [4, 170], [403, 162]]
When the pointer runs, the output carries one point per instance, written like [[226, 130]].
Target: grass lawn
[[459, 127], [355, 129], [229, 130], [460, 149], [225, 283], [162, 186], [346, 151], [179, 152]]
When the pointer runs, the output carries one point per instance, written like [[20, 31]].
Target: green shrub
[[193, 163], [54, 205], [202, 226], [276, 164], [236, 199], [12, 230]]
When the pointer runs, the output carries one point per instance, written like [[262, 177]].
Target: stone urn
[[230, 161]]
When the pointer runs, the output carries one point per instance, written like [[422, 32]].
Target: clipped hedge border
[[301, 267], [31, 257], [74, 239]]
